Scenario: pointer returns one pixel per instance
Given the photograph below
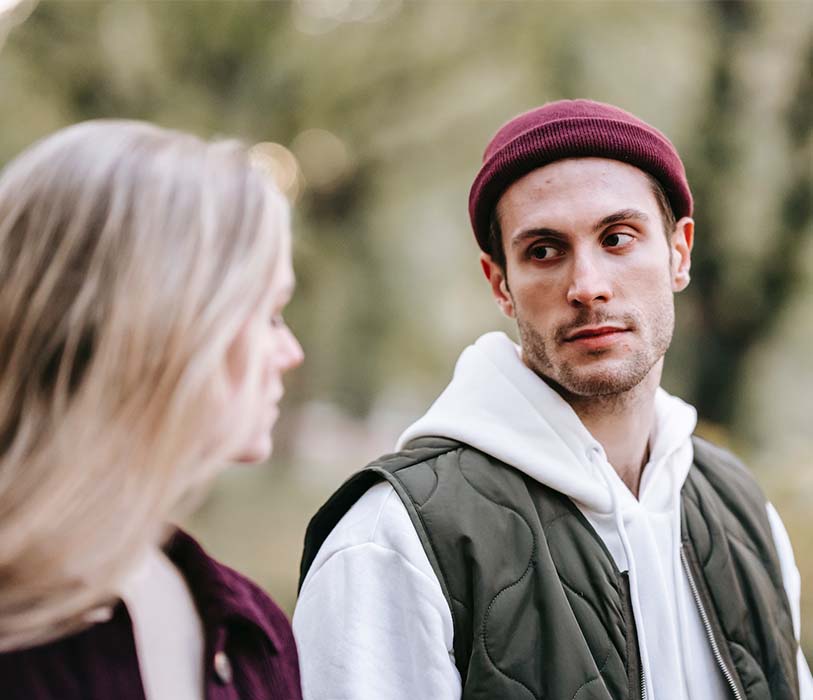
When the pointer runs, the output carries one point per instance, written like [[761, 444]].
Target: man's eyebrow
[[545, 232], [622, 215], [522, 236]]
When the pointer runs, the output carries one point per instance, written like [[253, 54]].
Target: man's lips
[[593, 332], [594, 338]]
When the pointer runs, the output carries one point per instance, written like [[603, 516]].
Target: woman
[[143, 273]]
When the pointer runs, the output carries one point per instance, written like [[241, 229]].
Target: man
[[551, 528]]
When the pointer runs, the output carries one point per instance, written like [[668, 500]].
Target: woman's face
[[266, 338]]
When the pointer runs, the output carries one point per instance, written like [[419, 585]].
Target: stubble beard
[[602, 381]]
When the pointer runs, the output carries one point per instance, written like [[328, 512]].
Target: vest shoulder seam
[[382, 465]]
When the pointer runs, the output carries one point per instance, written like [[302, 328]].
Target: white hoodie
[[372, 622]]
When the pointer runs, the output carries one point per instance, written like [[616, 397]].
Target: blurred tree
[[412, 92], [735, 318]]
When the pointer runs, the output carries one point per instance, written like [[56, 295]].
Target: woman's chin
[[258, 451]]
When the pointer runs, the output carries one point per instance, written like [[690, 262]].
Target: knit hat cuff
[[577, 137]]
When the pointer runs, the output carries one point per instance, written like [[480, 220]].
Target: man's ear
[[681, 243], [499, 284]]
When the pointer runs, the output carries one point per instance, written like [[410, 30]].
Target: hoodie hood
[[499, 406]]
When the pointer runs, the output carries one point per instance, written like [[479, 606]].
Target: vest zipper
[[643, 684], [635, 666], [709, 632]]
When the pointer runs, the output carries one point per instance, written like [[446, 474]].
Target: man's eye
[[617, 239], [277, 321], [543, 252]]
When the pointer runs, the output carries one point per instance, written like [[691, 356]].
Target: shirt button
[[223, 669]]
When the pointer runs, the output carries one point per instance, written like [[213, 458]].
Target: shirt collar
[[220, 593]]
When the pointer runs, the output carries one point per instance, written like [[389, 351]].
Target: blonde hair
[[130, 256]]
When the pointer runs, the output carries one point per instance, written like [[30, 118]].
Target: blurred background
[[373, 115]]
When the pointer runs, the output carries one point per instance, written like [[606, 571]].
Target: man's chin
[[612, 378]]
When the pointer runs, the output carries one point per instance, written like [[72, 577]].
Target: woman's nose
[[292, 352]]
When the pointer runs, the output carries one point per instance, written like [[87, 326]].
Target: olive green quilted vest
[[540, 609]]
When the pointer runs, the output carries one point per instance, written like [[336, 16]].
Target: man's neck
[[622, 424]]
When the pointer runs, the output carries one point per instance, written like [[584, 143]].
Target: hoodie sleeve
[[371, 621], [793, 589]]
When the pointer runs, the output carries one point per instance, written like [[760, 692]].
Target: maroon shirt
[[249, 648]]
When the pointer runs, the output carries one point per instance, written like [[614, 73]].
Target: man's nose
[[589, 281]]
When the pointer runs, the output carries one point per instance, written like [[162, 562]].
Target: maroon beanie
[[573, 129]]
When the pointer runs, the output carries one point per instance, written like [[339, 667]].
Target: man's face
[[588, 275]]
